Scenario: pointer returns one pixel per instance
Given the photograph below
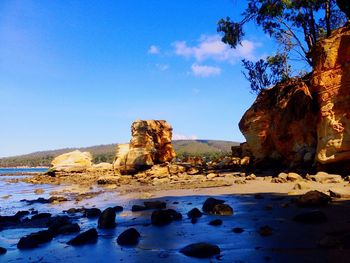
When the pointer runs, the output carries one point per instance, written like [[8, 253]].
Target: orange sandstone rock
[[331, 81], [280, 125], [150, 144]]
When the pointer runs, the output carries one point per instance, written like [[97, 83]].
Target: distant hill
[[106, 153]]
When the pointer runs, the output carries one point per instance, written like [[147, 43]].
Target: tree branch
[[296, 38]]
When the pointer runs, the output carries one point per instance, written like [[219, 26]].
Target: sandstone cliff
[[150, 144], [331, 81], [280, 125], [304, 122]]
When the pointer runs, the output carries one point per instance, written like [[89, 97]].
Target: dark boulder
[[6, 221], [216, 222], [64, 229], [216, 207], [161, 217], [209, 204], [21, 214], [194, 213], [237, 230], [57, 220], [56, 223], [3, 250], [129, 237], [222, 210], [118, 209], [313, 199], [87, 237], [155, 204], [92, 212], [34, 239], [41, 216], [174, 214], [137, 208], [41, 200], [107, 218], [200, 250], [42, 220], [164, 217]]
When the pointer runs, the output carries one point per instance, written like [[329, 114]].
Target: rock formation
[[75, 161], [306, 121], [150, 144], [280, 125], [331, 81]]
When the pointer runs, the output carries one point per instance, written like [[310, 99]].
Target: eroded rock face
[[150, 144], [75, 161], [331, 81], [280, 125]]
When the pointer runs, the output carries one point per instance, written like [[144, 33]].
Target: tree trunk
[[312, 26], [327, 18]]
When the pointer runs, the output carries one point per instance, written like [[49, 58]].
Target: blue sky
[[78, 73]]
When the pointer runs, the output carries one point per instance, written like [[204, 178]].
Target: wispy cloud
[[184, 137], [154, 50], [162, 67], [211, 47], [205, 71]]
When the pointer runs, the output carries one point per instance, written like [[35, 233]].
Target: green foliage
[[344, 6], [208, 149], [296, 25], [264, 73], [233, 32], [106, 153], [107, 157], [208, 156]]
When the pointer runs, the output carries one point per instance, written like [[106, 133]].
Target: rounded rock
[[129, 237], [200, 250]]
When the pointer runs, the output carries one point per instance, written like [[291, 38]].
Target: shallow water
[[21, 170], [12, 193], [290, 241]]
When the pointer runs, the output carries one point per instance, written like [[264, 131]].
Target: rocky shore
[[226, 224]]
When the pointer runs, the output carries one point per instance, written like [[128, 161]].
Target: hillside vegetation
[[106, 153]]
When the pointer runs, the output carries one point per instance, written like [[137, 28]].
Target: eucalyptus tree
[[296, 25]]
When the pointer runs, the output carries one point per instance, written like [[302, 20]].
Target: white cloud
[[205, 71], [211, 47], [162, 67], [184, 137], [154, 50]]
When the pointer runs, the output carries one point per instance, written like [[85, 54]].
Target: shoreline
[[259, 203], [26, 167]]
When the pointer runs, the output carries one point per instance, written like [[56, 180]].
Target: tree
[[344, 6], [265, 73], [296, 25]]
